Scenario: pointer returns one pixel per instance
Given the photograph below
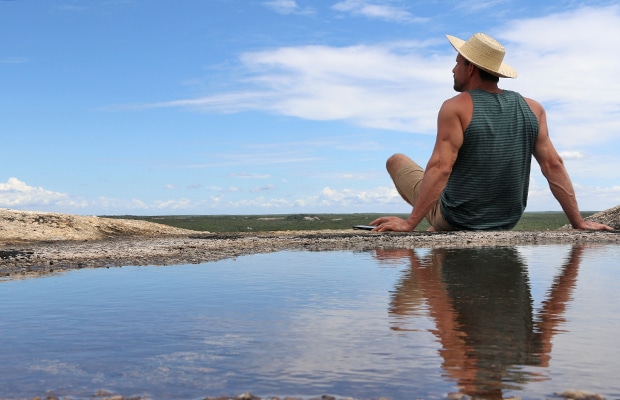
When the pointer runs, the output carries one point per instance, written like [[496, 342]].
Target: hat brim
[[504, 71]]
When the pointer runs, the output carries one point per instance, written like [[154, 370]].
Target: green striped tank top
[[489, 183]]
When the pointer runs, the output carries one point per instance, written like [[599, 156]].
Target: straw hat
[[485, 53]]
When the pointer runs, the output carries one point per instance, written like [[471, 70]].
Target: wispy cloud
[[236, 189], [13, 60], [377, 11], [476, 6], [362, 176], [571, 154], [344, 176], [247, 175], [564, 61], [287, 7], [384, 86]]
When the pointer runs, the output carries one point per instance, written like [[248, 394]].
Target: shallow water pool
[[524, 321]]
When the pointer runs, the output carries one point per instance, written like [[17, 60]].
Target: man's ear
[[472, 69]]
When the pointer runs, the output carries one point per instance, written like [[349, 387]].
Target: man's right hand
[[396, 224]]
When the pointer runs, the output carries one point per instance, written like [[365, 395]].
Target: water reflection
[[481, 304], [414, 325]]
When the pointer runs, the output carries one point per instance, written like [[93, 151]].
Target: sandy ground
[[36, 243]]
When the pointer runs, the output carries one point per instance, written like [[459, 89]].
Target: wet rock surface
[[40, 258], [34, 244]]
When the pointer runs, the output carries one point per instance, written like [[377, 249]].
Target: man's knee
[[395, 162]]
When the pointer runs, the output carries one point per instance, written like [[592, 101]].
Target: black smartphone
[[364, 227]]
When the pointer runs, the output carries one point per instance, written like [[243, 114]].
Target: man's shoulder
[[535, 106], [461, 97], [458, 102], [459, 107]]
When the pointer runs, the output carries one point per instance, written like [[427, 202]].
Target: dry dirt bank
[[34, 243]]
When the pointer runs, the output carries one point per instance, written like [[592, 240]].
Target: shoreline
[[22, 259]]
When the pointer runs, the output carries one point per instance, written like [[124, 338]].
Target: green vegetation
[[534, 221], [542, 221]]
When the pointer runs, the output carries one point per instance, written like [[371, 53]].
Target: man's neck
[[487, 86]]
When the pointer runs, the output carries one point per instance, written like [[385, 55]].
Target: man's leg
[[407, 177]]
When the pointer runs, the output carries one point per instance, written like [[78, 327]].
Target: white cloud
[[247, 175], [327, 200], [567, 61], [594, 170], [174, 205], [378, 11], [386, 199], [357, 176], [236, 189], [388, 86], [571, 154], [282, 6], [477, 6], [17, 194], [590, 197], [287, 7], [350, 197]]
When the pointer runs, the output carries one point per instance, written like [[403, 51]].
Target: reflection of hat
[[485, 53]]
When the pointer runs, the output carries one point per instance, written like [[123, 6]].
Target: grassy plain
[[532, 221]]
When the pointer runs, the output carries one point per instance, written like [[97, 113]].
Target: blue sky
[[157, 107]]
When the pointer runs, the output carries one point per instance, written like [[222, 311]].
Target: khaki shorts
[[408, 181]]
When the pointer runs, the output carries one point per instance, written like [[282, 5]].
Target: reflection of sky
[[289, 323], [586, 354], [542, 264]]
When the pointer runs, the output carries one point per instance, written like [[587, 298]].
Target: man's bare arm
[[449, 141], [552, 167]]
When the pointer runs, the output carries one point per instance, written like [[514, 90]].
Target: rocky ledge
[[33, 244]]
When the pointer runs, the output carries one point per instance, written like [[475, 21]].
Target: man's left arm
[[553, 169]]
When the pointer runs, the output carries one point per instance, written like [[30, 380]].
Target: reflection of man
[[481, 303]]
